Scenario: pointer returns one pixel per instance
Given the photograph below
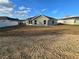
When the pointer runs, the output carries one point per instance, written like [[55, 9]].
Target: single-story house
[[7, 21], [41, 20], [74, 20]]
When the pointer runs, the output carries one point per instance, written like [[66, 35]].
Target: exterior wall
[[4, 23], [68, 21], [60, 21], [76, 22], [27, 22], [52, 22], [73, 21], [40, 21]]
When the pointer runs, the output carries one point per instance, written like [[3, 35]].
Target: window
[[44, 21], [35, 22], [74, 21], [52, 22], [30, 22]]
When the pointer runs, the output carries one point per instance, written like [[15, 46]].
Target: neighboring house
[[74, 20], [7, 21], [41, 20]]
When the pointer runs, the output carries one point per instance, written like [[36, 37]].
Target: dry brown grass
[[58, 42], [40, 47], [35, 30]]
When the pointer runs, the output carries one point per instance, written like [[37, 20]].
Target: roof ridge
[[32, 18]]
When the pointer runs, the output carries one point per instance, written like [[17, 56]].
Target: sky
[[23, 9]]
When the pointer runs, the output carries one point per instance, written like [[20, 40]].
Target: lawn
[[38, 30], [30, 42]]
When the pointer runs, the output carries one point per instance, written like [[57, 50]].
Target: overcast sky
[[28, 8]]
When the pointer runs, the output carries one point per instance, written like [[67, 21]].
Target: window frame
[[30, 22], [44, 21], [52, 21], [35, 21]]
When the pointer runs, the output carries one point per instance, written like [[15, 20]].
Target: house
[[73, 20], [7, 21], [41, 20]]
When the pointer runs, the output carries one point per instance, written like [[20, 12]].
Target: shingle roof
[[8, 18], [32, 18], [50, 17], [3, 17], [76, 17]]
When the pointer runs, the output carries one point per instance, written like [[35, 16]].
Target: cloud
[[44, 10], [22, 12], [4, 1], [6, 10], [6, 7], [55, 11], [22, 8]]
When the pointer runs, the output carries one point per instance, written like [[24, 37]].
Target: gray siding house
[[74, 20], [41, 20], [7, 21]]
